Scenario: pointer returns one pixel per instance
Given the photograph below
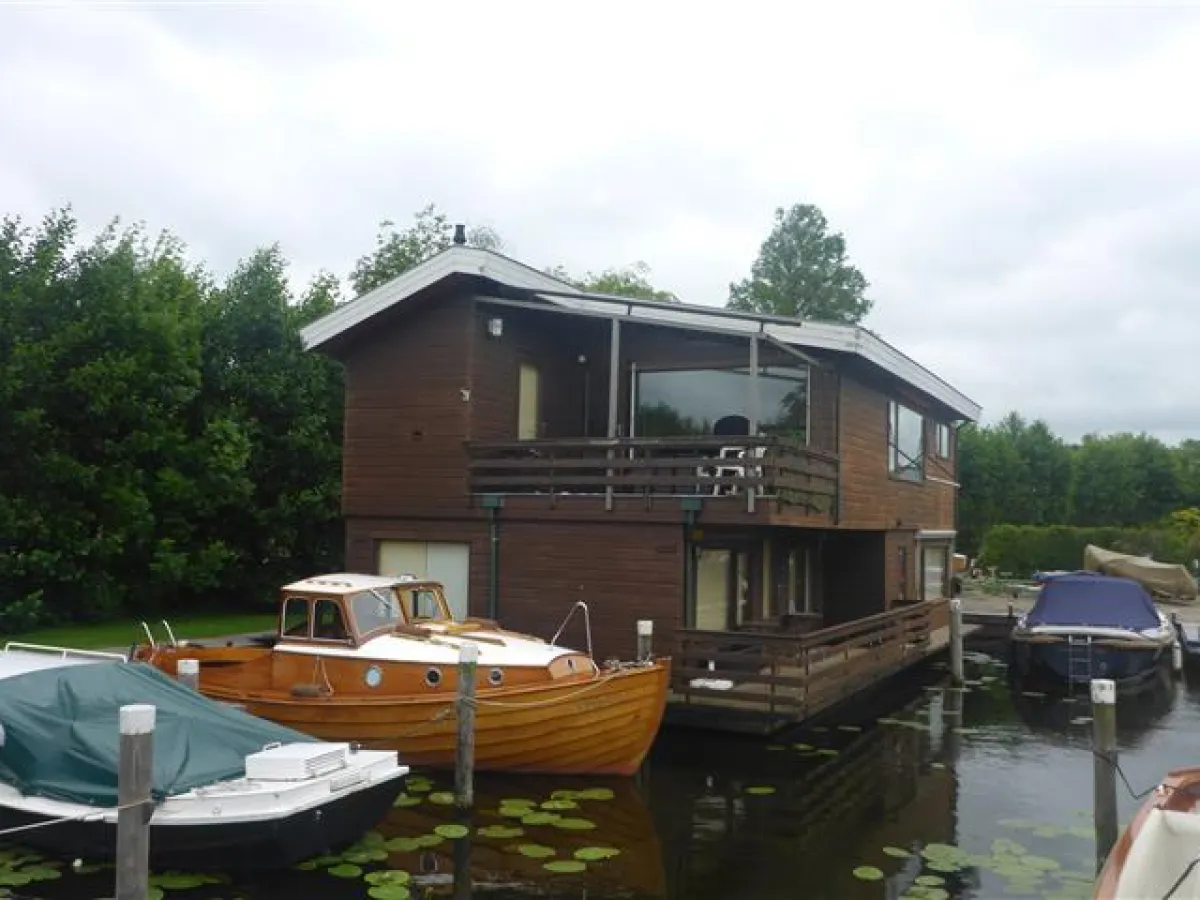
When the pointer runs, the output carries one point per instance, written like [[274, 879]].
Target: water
[[994, 785]]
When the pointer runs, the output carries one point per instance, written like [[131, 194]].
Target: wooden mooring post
[[645, 640], [464, 762], [135, 778], [956, 640], [187, 672], [1104, 762]]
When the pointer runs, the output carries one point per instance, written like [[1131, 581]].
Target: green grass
[[122, 633]]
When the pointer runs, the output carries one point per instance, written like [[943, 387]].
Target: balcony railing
[[750, 468]]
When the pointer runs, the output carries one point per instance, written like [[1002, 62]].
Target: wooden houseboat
[[777, 495]]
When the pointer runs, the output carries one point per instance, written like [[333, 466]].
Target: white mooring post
[[1104, 761], [956, 640], [645, 640], [187, 671], [135, 778], [464, 767]]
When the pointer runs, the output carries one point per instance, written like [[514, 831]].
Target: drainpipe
[[691, 509], [493, 504]]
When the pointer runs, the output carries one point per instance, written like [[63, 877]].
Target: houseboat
[[746, 482]]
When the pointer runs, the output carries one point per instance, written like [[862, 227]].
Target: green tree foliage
[[629, 281], [398, 251], [803, 270]]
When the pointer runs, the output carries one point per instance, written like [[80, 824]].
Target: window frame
[[916, 474], [940, 429]]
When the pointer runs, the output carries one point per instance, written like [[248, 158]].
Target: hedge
[[1023, 550]]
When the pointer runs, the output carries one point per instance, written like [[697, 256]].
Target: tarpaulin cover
[[62, 741], [1085, 598], [1166, 579]]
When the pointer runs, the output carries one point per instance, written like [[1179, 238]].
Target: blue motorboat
[[1086, 625]]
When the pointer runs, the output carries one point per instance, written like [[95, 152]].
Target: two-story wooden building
[[531, 446]]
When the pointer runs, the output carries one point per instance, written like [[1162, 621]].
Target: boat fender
[[306, 690]]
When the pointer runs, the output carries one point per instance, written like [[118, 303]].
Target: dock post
[[464, 763], [1177, 647], [187, 671], [1104, 761], [956, 640], [645, 640], [135, 778]]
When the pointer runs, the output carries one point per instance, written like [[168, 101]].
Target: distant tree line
[[1031, 500]]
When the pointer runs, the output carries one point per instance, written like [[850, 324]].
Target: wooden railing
[[766, 467], [796, 676]]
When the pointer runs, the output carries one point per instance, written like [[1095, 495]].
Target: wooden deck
[[740, 681]]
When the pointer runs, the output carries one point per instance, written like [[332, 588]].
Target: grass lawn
[[122, 633]]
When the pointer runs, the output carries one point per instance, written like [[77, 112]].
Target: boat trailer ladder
[[1079, 658]]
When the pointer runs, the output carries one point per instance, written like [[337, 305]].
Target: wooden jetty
[[760, 683]]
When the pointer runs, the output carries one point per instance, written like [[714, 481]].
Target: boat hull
[[217, 845], [1054, 657], [598, 724]]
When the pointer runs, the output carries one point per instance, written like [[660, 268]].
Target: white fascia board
[[457, 260]]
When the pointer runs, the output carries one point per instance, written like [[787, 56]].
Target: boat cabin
[[530, 446], [352, 609]]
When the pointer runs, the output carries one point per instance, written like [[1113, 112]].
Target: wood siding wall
[[854, 575], [871, 498], [406, 420]]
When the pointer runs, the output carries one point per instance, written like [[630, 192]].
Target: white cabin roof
[[347, 583], [799, 333]]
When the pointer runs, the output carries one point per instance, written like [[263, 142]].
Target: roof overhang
[[551, 293]]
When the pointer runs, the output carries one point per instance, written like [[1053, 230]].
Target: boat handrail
[[170, 633], [587, 622], [64, 652]]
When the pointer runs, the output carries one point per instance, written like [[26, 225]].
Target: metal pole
[[187, 671], [956, 640], [614, 390], [464, 768], [1104, 760], [135, 778], [752, 416], [645, 640]]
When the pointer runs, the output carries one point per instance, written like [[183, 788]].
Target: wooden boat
[[1156, 855], [375, 659], [232, 791], [1086, 625]]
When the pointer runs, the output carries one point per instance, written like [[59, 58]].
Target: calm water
[[993, 784]]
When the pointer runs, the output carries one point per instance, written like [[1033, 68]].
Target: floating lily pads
[[387, 876], [565, 866], [897, 852], [930, 880], [345, 870], [536, 851], [574, 824], [389, 892], [760, 790], [597, 793], [168, 881], [428, 840], [402, 845], [593, 854], [540, 818], [452, 831], [442, 798], [501, 832], [560, 804], [562, 795], [868, 873], [406, 800]]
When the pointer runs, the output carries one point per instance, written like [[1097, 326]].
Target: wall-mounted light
[[495, 326]]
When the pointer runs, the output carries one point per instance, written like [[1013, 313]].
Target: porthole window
[[433, 677], [495, 677]]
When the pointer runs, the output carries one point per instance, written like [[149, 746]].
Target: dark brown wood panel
[[871, 498], [406, 419], [903, 565], [854, 575], [623, 572]]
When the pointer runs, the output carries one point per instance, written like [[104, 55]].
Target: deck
[[760, 683]]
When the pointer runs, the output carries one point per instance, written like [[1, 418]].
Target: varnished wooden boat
[[1156, 855], [374, 659]]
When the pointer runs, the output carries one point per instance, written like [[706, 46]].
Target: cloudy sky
[[1020, 183]]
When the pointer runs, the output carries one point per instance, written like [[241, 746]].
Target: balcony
[[784, 475]]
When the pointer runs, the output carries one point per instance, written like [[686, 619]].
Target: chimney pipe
[[460, 234]]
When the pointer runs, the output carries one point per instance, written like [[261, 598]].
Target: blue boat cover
[[62, 741], [1088, 598]]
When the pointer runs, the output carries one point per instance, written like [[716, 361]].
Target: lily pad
[[574, 824], [897, 852], [760, 790], [565, 866], [406, 800], [501, 832], [45, 873], [452, 830], [168, 881], [540, 818], [389, 891], [597, 793], [387, 876], [592, 854], [535, 851], [560, 804], [442, 798], [402, 845], [428, 840], [930, 880], [345, 870], [868, 873]]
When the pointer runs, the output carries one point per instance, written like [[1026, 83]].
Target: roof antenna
[[460, 233]]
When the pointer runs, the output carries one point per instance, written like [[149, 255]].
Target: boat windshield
[[375, 609], [425, 604]]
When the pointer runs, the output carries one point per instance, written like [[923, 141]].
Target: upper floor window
[[942, 440], [906, 442]]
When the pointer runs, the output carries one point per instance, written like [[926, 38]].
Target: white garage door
[[448, 563]]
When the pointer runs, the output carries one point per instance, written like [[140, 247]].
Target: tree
[[630, 281], [802, 270], [398, 251]]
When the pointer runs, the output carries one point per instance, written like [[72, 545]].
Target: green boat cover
[[62, 741]]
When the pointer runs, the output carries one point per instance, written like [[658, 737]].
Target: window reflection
[[906, 436], [702, 402]]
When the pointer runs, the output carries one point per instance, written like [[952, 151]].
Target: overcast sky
[[1020, 183]]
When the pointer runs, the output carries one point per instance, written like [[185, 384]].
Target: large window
[[943, 440], [707, 401], [906, 442]]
